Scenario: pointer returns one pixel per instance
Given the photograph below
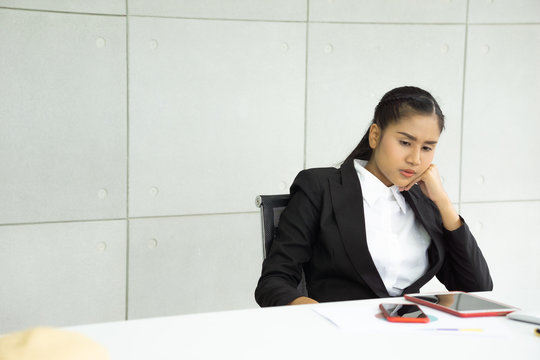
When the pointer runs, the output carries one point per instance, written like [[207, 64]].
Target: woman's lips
[[407, 173]]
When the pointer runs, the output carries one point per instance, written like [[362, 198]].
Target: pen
[[457, 329]]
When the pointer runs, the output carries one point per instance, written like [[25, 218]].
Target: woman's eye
[[426, 148], [404, 143]]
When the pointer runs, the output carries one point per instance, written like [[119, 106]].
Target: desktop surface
[[340, 330]]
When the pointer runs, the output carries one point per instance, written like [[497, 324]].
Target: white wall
[[134, 137]]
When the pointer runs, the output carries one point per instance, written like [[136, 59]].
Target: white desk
[[299, 332]]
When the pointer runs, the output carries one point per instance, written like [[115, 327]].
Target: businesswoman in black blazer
[[381, 225]]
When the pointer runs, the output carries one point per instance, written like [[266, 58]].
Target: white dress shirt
[[397, 241]]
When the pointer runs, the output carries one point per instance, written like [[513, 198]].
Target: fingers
[[408, 187], [431, 184], [422, 178]]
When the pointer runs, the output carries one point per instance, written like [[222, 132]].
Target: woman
[[381, 225]]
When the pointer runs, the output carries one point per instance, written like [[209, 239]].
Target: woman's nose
[[413, 157]]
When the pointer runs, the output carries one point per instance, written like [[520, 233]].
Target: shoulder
[[316, 176], [321, 172], [314, 182]]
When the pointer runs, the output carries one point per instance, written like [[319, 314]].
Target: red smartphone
[[407, 313]]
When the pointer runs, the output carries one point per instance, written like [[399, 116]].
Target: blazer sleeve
[[297, 229], [464, 267]]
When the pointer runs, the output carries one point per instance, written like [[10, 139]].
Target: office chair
[[271, 208]]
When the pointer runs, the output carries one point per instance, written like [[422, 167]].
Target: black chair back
[[271, 208]]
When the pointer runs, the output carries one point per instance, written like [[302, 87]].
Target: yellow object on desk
[[51, 344], [537, 331]]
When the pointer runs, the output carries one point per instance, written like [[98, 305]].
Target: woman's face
[[404, 150]]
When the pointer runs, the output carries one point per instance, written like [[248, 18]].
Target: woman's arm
[[450, 218], [298, 228], [464, 266]]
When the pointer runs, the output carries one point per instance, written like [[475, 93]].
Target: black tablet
[[461, 304]]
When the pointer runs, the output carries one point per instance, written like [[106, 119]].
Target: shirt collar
[[373, 189]]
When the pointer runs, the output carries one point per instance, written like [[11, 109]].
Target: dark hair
[[394, 105]]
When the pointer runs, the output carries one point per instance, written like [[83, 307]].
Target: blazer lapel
[[348, 205], [425, 214]]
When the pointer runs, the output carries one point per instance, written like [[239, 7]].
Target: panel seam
[[127, 165], [462, 124], [306, 86]]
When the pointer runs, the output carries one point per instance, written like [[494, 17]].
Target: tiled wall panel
[[500, 141], [410, 11], [504, 11], [62, 274], [193, 264], [213, 107], [351, 66], [63, 117], [116, 7], [507, 235], [216, 116], [223, 9]]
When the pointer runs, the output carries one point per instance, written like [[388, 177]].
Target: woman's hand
[[303, 300], [431, 185]]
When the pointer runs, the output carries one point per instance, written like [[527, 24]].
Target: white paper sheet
[[369, 319]]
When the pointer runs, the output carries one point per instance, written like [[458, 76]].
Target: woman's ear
[[374, 135]]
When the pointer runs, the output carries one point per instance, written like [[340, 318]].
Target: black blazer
[[322, 231]]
